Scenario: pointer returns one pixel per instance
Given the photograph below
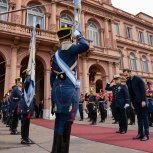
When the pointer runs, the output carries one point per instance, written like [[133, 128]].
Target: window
[[141, 37], [151, 40], [66, 20], [120, 59], [36, 16], [116, 29], [128, 32], [3, 8], [133, 62], [145, 64], [93, 33]]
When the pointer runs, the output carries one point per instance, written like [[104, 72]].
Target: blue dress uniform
[[102, 108], [65, 96], [120, 98], [136, 87], [93, 104], [81, 101], [16, 98], [25, 114]]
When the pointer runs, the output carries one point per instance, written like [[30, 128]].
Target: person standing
[[93, 105], [16, 98], [136, 87], [81, 106], [65, 86], [120, 101], [25, 111], [102, 106]]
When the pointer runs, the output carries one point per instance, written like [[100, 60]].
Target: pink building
[[117, 40]]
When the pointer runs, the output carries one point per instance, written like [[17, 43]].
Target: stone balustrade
[[22, 30]]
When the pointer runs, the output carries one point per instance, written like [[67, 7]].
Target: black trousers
[[122, 118], [142, 116], [25, 124], [14, 122], [150, 118], [81, 111], [94, 116]]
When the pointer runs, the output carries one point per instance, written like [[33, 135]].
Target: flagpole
[[77, 25]]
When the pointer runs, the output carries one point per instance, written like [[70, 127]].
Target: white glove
[[126, 105], [76, 33]]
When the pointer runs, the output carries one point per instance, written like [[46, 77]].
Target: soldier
[[102, 106], [120, 101], [25, 111], [65, 95], [81, 102], [16, 98], [136, 87], [93, 106], [4, 109]]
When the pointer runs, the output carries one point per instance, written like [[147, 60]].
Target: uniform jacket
[[137, 90], [16, 97], [120, 95], [65, 96]]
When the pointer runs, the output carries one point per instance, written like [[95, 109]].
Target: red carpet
[[104, 135]]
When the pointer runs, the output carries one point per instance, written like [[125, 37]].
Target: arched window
[[120, 59], [145, 64], [133, 62], [35, 16], [3, 8], [65, 20], [93, 33]]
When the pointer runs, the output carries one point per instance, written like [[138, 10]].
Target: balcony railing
[[7, 27], [134, 42]]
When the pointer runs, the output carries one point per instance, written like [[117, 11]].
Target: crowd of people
[[127, 100], [13, 108]]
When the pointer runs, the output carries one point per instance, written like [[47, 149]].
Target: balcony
[[25, 31], [133, 42]]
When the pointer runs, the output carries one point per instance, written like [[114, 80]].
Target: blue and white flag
[[30, 92]]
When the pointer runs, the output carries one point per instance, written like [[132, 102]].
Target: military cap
[[26, 72], [18, 79], [117, 76], [64, 33]]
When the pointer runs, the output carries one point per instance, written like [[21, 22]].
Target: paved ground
[[43, 142]]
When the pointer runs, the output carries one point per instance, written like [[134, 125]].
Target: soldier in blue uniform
[[93, 105], [81, 101], [4, 109], [102, 106], [16, 98], [25, 111], [120, 102], [137, 90], [65, 95]]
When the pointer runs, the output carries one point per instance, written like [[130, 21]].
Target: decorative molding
[[97, 12]]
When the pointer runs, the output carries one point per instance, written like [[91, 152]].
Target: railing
[[25, 30], [134, 42]]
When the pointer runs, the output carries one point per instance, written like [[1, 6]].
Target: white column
[[13, 65], [47, 95]]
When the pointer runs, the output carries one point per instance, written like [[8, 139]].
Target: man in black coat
[[137, 92], [120, 101]]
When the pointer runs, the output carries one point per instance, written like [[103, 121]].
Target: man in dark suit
[[120, 101], [137, 92]]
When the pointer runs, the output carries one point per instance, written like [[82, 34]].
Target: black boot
[[57, 143], [66, 137]]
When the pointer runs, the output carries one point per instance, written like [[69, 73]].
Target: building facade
[[117, 40]]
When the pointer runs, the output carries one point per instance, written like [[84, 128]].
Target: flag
[[30, 92]]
